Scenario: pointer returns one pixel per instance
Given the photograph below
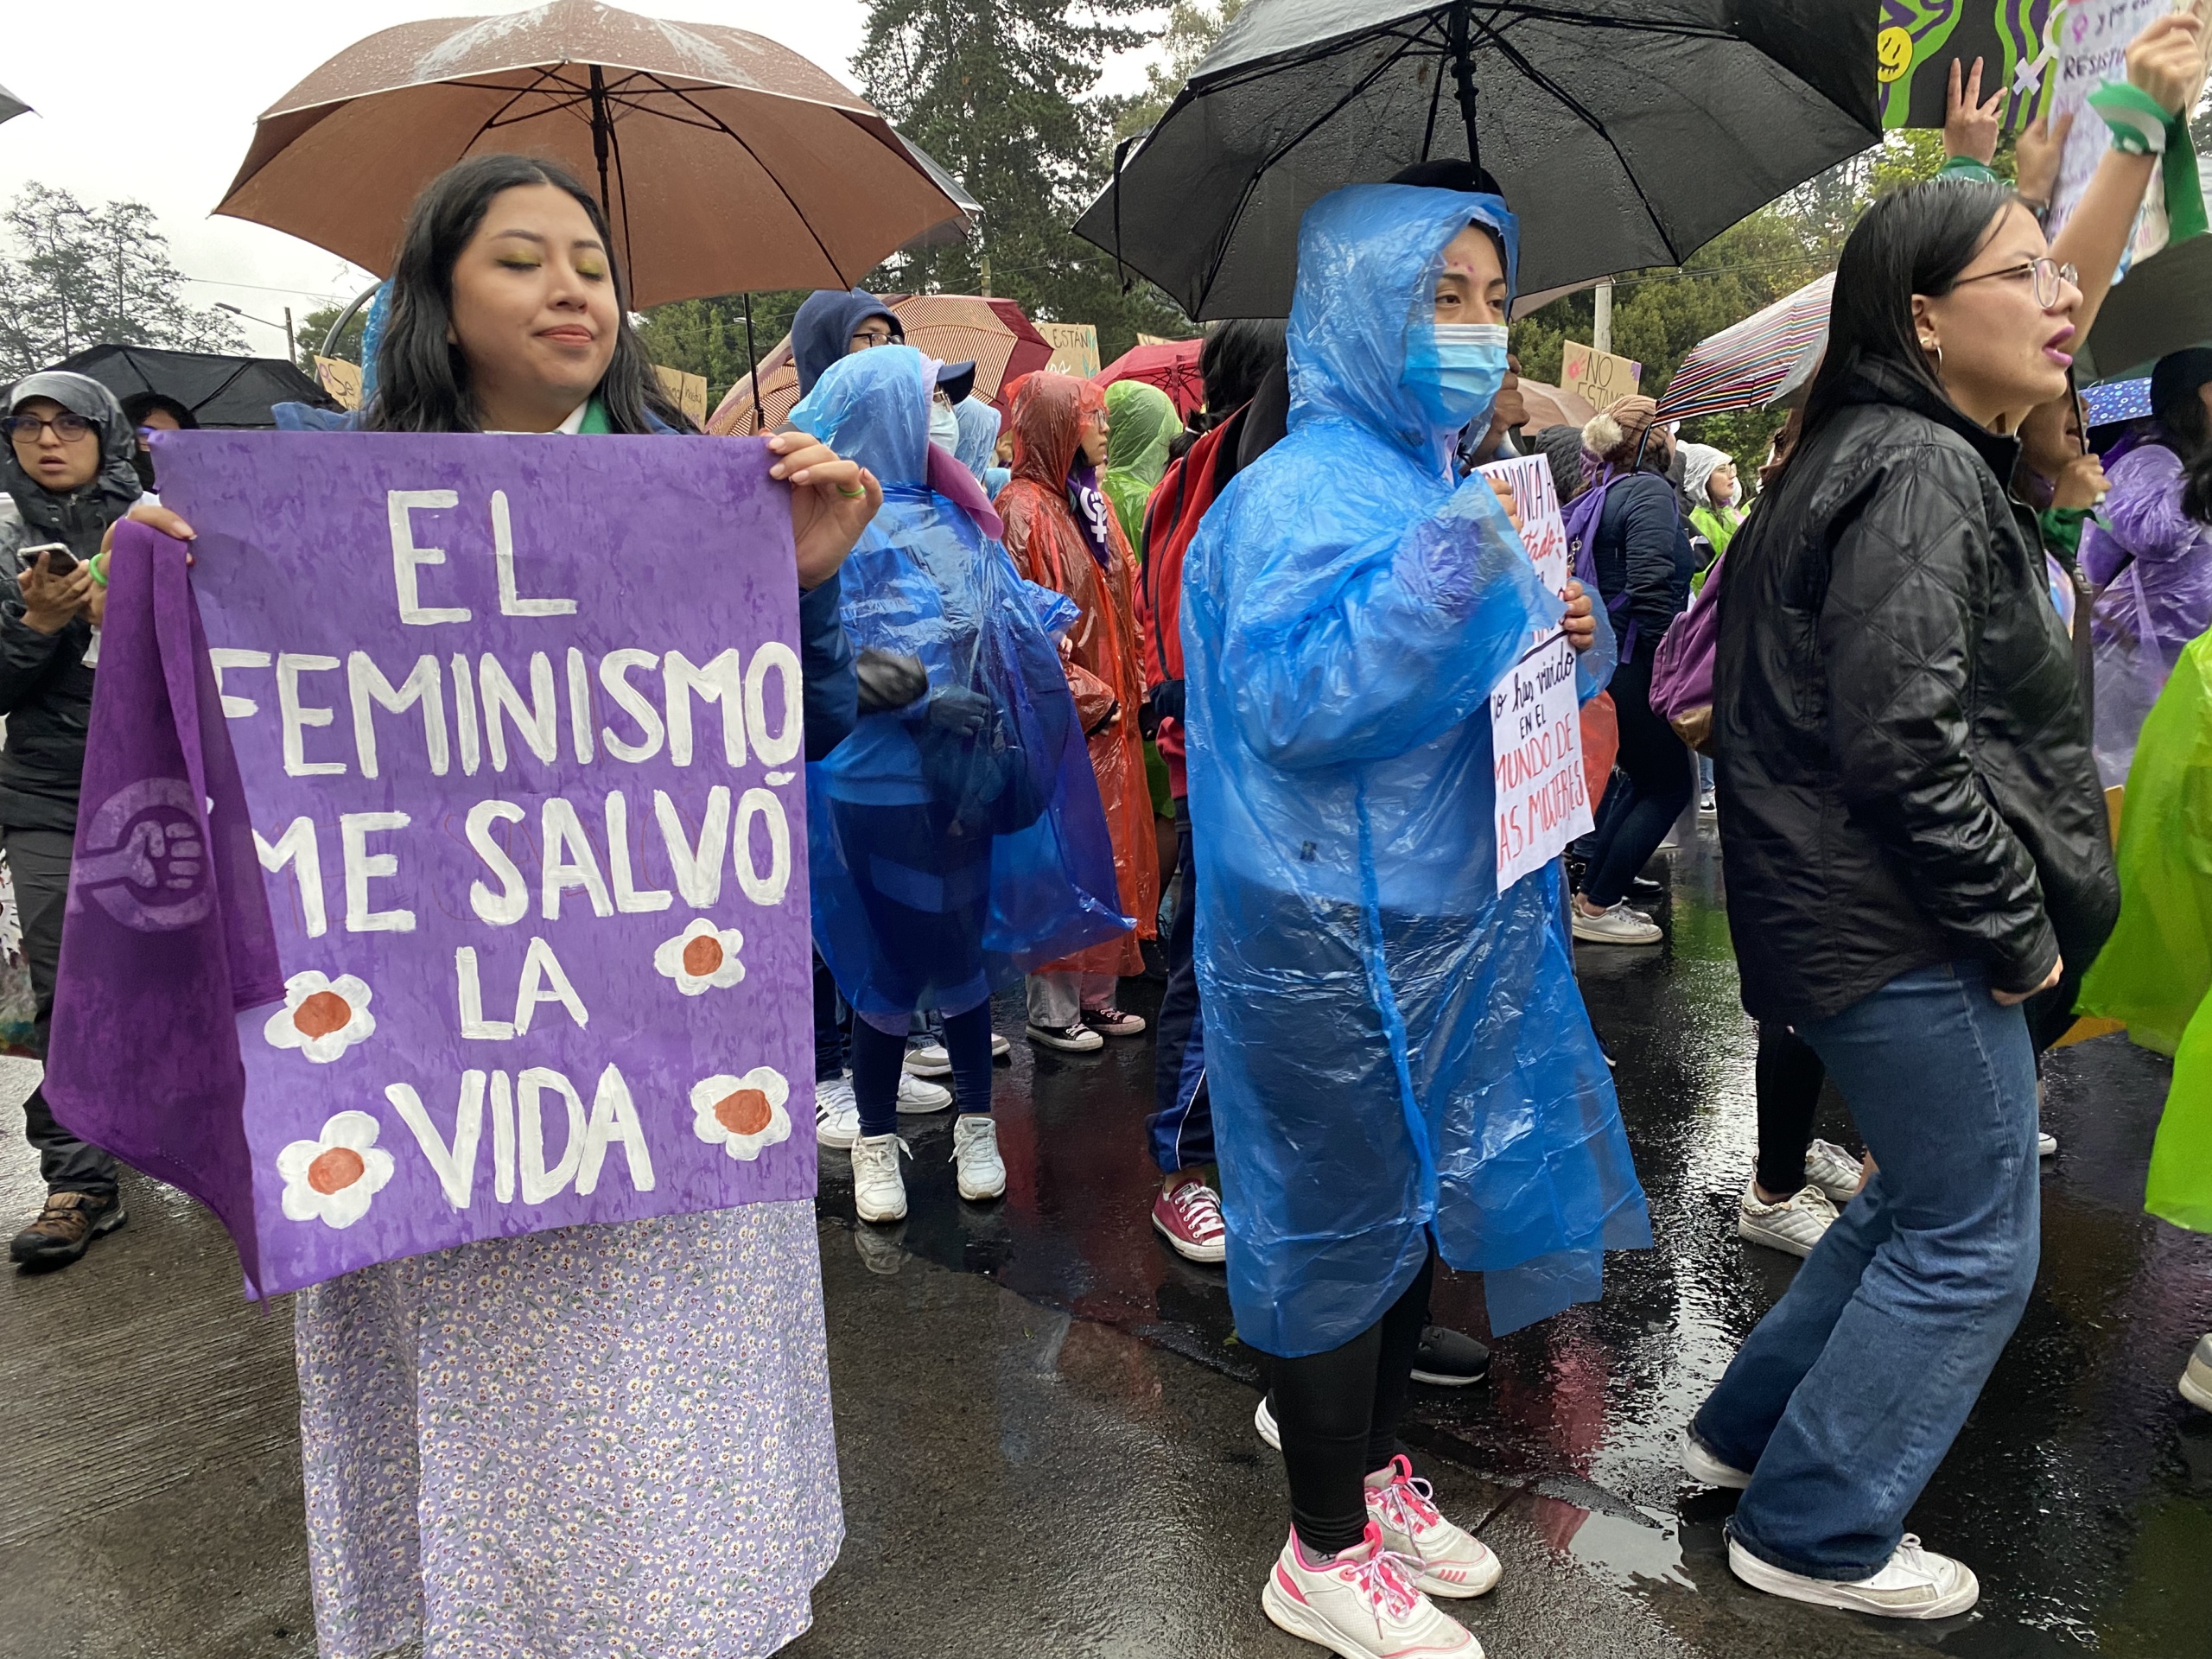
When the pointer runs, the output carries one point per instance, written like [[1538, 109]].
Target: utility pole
[[1601, 331], [291, 345], [983, 275]]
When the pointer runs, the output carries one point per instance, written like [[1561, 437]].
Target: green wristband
[[98, 564]]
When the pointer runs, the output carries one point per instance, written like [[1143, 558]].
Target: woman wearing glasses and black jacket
[[68, 475]]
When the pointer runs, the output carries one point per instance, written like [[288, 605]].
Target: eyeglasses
[[26, 429], [2046, 272], [869, 339]]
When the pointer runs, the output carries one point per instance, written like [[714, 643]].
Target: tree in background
[[707, 337], [1000, 92], [315, 326], [76, 277]]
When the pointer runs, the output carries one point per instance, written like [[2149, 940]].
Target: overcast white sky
[[155, 100]]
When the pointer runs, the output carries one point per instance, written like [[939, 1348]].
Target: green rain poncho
[[2157, 968], [1143, 422]]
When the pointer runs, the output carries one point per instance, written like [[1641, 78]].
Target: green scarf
[[595, 416]]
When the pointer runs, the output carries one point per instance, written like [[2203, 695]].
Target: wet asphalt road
[[1044, 1418]]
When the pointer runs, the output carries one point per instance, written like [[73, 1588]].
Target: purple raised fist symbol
[[144, 860]]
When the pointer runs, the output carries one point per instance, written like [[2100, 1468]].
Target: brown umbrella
[[725, 161], [1003, 344]]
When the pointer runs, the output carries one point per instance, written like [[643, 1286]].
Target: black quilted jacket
[[1903, 755]]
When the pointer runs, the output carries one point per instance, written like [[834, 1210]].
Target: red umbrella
[[1173, 365]]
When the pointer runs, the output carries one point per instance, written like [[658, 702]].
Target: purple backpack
[[1581, 520], [1682, 668]]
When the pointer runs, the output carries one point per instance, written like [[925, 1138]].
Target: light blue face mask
[[1454, 371]]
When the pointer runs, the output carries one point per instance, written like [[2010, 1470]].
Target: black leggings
[[1789, 1076], [1338, 1413], [1657, 787], [879, 1058]]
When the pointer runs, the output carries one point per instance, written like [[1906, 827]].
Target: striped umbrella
[[1757, 362]]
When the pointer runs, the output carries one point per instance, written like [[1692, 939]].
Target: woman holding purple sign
[[599, 1437]]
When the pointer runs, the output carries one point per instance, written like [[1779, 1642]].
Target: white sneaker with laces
[[916, 1095], [2046, 1144], [980, 1171], [1832, 1169], [879, 1188], [1914, 1583], [1619, 925], [1701, 1467], [929, 1061], [1452, 1562], [836, 1118], [1078, 1038], [1361, 1603], [1794, 1224]]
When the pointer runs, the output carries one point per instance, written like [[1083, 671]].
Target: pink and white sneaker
[[1361, 1603], [1189, 1218], [1450, 1560]]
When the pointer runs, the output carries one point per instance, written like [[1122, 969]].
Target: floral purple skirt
[[599, 1441]]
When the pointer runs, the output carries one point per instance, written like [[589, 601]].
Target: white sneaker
[[1701, 1467], [1263, 1418], [1452, 1561], [2046, 1145], [929, 1061], [917, 1096], [1361, 1603], [879, 1189], [1914, 1583], [1619, 925], [836, 1119], [1795, 1224], [980, 1171], [1706, 803], [1834, 1170], [2195, 1383]]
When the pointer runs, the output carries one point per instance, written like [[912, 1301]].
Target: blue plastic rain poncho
[[979, 434], [956, 844], [1392, 1045]]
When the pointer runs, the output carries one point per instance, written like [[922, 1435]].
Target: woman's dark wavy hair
[[422, 379], [1915, 240], [2182, 413]]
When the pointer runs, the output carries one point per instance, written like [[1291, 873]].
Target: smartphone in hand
[[60, 562]]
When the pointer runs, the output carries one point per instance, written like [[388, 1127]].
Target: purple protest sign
[[519, 724]]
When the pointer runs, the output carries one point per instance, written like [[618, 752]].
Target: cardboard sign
[[1599, 378], [1075, 347], [1536, 729], [341, 379], [686, 391], [519, 721], [1920, 39]]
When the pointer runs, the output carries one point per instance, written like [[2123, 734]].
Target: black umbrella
[[220, 391], [2164, 305], [1624, 133]]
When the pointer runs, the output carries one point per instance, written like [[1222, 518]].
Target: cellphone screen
[[59, 561]]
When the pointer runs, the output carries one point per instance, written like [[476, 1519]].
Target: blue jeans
[[1850, 1391]]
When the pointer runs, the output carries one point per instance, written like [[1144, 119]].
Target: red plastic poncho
[[1106, 662]]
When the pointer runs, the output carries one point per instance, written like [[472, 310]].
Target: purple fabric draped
[[167, 934], [958, 485]]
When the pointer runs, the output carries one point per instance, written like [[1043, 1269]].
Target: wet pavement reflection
[[2081, 1489]]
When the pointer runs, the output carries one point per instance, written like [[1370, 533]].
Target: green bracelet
[[98, 564]]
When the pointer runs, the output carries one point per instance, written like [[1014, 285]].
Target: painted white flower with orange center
[[333, 1179], [743, 1114], [321, 1017], [702, 957]]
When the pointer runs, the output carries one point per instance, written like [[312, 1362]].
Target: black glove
[[887, 680], [1165, 701], [962, 713], [1112, 714]]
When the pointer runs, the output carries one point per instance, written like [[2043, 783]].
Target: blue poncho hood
[[1367, 259], [979, 434], [1396, 1050], [1022, 871]]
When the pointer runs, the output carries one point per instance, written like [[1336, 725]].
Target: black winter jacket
[[46, 696], [1903, 757], [1642, 550]]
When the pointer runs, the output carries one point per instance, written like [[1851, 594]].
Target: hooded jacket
[[2143, 544], [823, 330], [1905, 760], [1016, 867], [1393, 1047], [46, 688], [1143, 422]]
